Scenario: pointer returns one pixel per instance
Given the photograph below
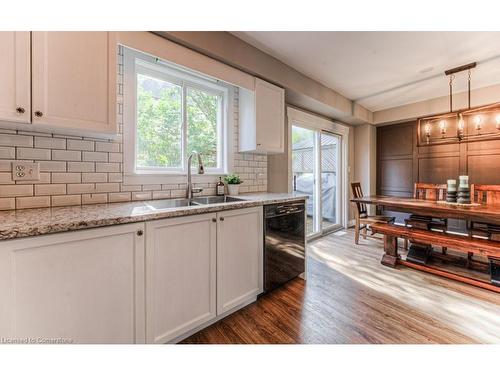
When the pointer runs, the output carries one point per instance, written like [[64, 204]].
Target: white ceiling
[[382, 70]]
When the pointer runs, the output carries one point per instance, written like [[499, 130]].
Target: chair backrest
[[485, 194], [432, 192], [357, 192]]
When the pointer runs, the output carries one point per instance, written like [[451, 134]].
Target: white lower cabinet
[[239, 257], [134, 283], [200, 267], [180, 275], [80, 287]]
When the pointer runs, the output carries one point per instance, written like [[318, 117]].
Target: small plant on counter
[[233, 179], [233, 182]]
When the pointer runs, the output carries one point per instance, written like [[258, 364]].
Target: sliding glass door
[[316, 171]]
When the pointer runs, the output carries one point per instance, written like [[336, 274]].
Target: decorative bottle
[[220, 187]]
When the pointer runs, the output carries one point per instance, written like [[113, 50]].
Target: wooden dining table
[[483, 213]]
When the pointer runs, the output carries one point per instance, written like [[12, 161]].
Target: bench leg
[[494, 270], [390, 258]]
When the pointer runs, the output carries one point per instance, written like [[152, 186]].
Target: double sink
[[184, 202]]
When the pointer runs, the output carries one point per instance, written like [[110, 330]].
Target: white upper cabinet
[[262, 118], [74, 80], [15, 76]]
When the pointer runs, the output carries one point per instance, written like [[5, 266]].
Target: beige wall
[[365, 157]]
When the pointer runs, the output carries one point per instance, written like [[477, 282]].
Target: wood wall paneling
[[438, 169], [400, 163]]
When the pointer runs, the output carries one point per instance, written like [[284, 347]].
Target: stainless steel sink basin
[[215, 199], [184, 202], [170, 203]]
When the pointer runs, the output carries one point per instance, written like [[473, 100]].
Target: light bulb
[[427, 129], [442, 125], [497, 119], [478, 120]]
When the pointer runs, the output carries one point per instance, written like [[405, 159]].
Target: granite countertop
[[37, 221]]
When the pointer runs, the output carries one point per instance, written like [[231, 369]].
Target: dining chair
[[363, 220], [485, 194], [432, 192]]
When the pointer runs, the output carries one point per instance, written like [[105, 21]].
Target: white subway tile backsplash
[[115, 157], [114, 177], [94, 198], [52, 166], [32, 202], [119, 197], [50, 189], [84, 170], [94, 177], [163, 194], [6, 178], [45, 178], [16, 140], [66, 200], [78, 144], [16, 190], [58, 178], [81, 166], [95, 156], [7, 152], [49, 142], [107, 167], [107, 146], [141, 196], [130, 187], [5, 165], [7, 203], [33, 153], [109, 187], [66, 155], [80, 188]]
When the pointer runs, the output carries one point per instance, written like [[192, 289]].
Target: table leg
[[390, 257]]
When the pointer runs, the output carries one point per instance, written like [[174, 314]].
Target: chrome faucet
[[190, 190]]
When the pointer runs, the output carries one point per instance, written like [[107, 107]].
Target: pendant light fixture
[[469, 125]]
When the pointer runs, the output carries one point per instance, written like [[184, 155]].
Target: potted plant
[[233, 182]]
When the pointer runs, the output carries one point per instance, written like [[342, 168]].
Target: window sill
[[144, 179]]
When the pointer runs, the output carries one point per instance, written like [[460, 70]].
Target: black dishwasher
[[284, 243]]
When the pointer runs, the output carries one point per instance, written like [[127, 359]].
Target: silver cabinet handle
[[214, 220], [140, 232], [38, 113], [221, 219], [20, 110]]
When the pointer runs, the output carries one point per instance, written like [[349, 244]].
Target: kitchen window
[[170, 112]]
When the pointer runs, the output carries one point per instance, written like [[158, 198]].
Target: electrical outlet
[[25, 171]]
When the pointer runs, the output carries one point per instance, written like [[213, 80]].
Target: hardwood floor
[[350, 298]]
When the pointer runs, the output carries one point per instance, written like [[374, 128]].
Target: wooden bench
[[487, 248]]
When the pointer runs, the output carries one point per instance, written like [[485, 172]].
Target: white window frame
[[310, 121], [135, 62]]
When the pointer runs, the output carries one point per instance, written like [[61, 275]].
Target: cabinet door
[[15, 76], [239, 257], [270, 116], [84, 286], [74, 80], [180, 275]]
